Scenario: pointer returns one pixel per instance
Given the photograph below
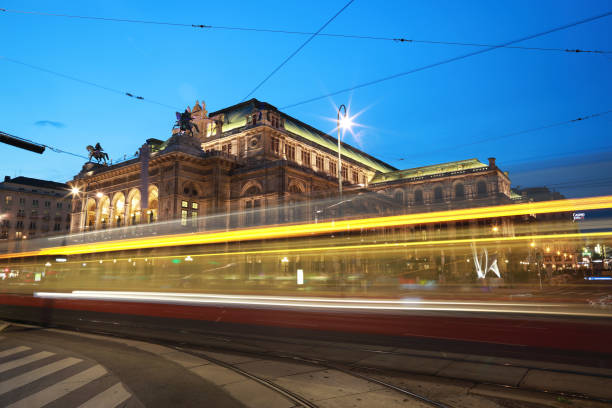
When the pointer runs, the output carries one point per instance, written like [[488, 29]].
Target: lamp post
[[344, 118]]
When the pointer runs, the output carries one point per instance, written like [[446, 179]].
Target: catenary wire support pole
[[340, 109]]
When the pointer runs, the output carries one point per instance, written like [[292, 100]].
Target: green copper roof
[[429, 171], [515, 196], [235, 117], [295, 127]]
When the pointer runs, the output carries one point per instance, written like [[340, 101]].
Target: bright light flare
[[346, 122], [75, 190]]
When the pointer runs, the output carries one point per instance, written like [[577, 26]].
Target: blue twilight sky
[[424, 118]]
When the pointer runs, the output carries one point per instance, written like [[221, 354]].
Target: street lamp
[[343, 122]]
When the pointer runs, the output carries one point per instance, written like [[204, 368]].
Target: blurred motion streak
[[301, 230]]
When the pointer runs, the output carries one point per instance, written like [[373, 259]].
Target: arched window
[[253, 190], [294, 188], [438, 195], [190, 190], [104, 212], [133, 204], [90, 220], [481, 188], [252, 206], [399, 196], [459, 191], [153, 205], [418, 197], [118, 209]]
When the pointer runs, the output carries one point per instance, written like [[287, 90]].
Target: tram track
[[507, 362], [298, 398]]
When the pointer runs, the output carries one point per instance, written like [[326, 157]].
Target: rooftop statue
[[184, 121], [97, 153]]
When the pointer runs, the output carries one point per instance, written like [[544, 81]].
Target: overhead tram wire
[[293, 32], [31, 145], [517, 133], [275, 70], [85, 82], [449, 60]]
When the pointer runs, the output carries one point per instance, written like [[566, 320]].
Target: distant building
[[554, 256], [32, 208], [538, 194]]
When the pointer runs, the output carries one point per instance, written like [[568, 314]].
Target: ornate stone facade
[[251, 157]]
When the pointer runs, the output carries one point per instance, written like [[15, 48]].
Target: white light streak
[[192, 299]]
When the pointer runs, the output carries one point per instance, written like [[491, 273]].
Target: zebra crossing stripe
[[31, 376], [110, 398], [24, 360], [13, 351], [60, 389]]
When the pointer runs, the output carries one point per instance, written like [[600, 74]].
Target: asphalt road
[[43, 368]]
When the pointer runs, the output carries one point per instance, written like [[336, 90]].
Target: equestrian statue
[[184, 122], [97, 153]]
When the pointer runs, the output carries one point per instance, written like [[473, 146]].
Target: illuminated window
[[194, 206], [8, 200], [319, 161], [194, 217], [252, 213], [184, 204], [275, 145], [184, 217], [290, 152], [305, 158]]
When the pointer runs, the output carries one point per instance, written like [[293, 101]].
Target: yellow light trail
[[304, 230]]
